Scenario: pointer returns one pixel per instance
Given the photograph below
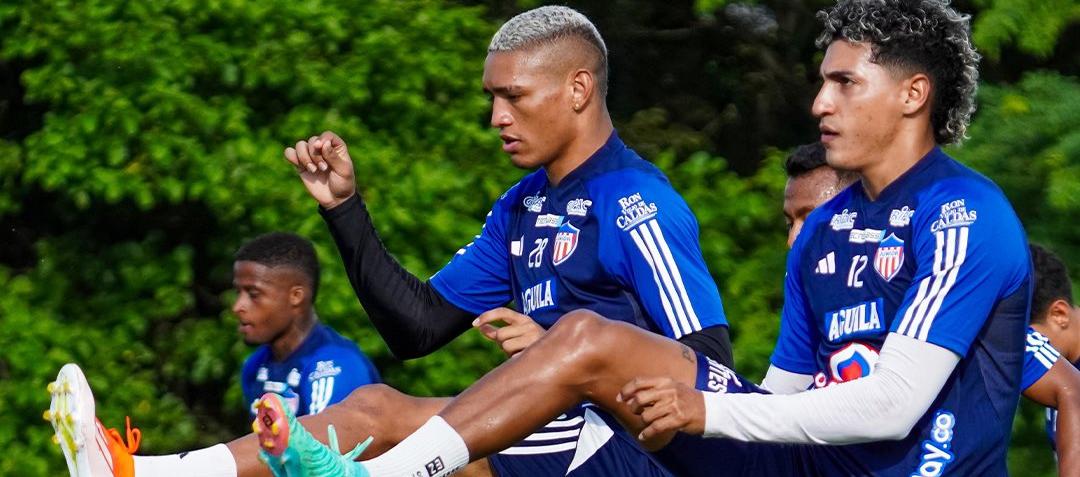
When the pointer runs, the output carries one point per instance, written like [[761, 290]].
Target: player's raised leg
[[583, 357], [89, 449]]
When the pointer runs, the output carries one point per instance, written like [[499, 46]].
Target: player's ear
[[297, 294], [1059, 313], [582, 89], [916, 93]]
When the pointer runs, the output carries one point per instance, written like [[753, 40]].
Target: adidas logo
[[827, 265]]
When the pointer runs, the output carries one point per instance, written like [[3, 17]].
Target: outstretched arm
[[883, 406]]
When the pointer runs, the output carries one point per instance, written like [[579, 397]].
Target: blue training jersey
[[941, 257], [613, 237], [322, 371]]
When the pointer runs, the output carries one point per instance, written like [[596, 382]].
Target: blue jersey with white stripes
[[322, 371], [613, 237], [1039, 357], [939, 256]]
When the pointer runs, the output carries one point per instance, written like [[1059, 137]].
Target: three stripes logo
[[1039, 347], [827, 265]]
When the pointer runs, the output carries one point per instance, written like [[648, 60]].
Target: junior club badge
[[889, 257], [566, 241]]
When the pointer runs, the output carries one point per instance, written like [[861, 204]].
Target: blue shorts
[[583, 442]]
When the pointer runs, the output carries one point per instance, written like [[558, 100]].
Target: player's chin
[[524, 160]]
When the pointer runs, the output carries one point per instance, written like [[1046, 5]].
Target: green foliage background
[[140, 144]]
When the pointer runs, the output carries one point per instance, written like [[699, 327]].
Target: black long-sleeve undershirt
[[412, 317], [410, 314]]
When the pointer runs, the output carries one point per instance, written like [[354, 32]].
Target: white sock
[[216, 461], [434, 450]]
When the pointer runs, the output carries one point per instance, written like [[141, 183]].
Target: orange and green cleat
[[290, 451], [89, 449]]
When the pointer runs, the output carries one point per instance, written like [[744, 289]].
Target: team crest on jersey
[[534, 203], [851, 362], [954, 214], [566, 241], [889, 257], [578, 207], [901, 217]]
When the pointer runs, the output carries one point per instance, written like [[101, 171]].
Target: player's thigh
[[614, 353]]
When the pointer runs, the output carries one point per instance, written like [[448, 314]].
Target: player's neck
[[292, 338], [894, 160], [592, 138]]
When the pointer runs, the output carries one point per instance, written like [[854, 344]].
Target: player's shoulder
[[334, 346], [836, 213], [521, 192], [255, 360], [947, 184]]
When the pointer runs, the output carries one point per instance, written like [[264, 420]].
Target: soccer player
[[911, 333], [1045, 380], [1055, 318], [276, 277], [595, 227]]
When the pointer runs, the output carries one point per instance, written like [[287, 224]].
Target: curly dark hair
[[916, 36], [1051, 282], [809, 157], [282, 249]]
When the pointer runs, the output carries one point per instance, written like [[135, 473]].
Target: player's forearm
[[1068, 434], [780, 381], [882, 406], [410, 315]]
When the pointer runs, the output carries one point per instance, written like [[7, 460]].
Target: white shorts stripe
[[550, 436], [659, 286], [533, 450], [567, 423]]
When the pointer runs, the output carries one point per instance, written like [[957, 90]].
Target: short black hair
[[808, 157], [804, 159], [277, 249], [916, 36], [1052, 282]]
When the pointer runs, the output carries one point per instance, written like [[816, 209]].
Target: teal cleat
[[290, 451]]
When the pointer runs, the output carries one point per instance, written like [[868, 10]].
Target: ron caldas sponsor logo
[[861, 319], [534, 203], [634, 211], [901, 217], [538, 297], [843, 221], [954, 214], [566, 241], [578, 207], [324, 369], [937, 449], [889, 257]]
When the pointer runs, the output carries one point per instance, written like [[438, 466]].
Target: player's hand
[[516, 333], [325, 168], [665, 405]]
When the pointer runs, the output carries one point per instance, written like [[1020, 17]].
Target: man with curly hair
[[906, 302]]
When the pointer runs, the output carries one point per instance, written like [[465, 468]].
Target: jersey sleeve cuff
[[349, 206], [448, 293]]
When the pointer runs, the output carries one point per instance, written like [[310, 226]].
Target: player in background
[[276, 278], [1055, 318], [912, 333], [1045, 380], [595, 227]]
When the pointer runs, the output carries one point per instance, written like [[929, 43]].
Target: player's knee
[[582, 331], [370, 400]]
